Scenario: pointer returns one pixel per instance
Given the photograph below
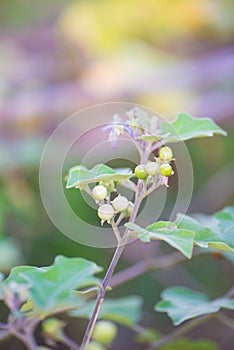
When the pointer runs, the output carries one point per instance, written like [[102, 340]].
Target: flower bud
[[99, 192], [106, 212], [165, 154], [166, 169], [120, 203], [152, 168], [105, 332], [140, 172]]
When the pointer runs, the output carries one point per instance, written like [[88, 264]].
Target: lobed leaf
[[126, 311], [186, 127], [179, 238], [80, 176], [212, 231], [52, 288], [182, 304]]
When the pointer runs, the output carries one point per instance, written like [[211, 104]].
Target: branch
[[116, 231], [146, 266], [118, 252], [70, 343], [101, 296], [27, 339]]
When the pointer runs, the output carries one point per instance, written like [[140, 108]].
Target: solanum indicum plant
[[35, 297]]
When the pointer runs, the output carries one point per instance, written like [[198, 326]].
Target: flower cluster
[[138, 126], [107, 208], [146, 134]]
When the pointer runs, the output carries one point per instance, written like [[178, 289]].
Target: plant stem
[[27, 339], [116, 231], [118, 252], [100, 298], [70, 343], [25, 332]]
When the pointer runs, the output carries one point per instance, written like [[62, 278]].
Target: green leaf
[[186, 127], [126, 311], [182, 304], [215, 231], [185, 344], [80, 176], [179, 238], [52, 288]]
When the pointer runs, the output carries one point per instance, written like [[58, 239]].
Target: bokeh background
[[58, 57]]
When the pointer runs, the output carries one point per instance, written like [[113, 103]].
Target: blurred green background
[[59, 57]]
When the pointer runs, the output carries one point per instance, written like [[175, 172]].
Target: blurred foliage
[[107, 25], [57, 57]]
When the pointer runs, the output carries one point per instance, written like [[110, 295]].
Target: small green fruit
[[140, 172], [94, 346], [106, 212], [99, 192], [54, 328], [152, 168], [105, 332], [166, 169], [165, 154], [120, 203]]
